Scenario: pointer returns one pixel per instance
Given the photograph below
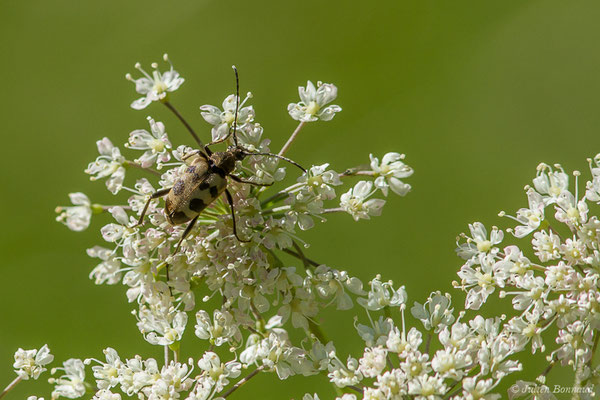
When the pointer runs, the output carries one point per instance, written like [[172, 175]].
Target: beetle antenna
[[277, 156], [237, 104]]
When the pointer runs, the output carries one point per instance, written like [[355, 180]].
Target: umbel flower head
[[313, 101], [78, 216], [30, 363], [234, 252], [155, 86]]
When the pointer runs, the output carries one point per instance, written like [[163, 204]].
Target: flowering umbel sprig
[[269, 310], [313, 101], [170, 281], [551, 274], [30, 363], [155, 86]]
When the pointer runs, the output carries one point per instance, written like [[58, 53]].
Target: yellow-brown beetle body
[[203, 181], [205, 178]]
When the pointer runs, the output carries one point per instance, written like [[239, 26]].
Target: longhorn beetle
[[205, 179]]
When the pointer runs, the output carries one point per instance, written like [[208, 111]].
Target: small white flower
[[222, 120], [550, 183], [391, 385], [389, 173], [161, 327], [427, 387], [217, 371], [105, 394], [479, 243], [546, 245], [478, 274], [156, 143], [76, 218], [309, 396], [355, 202], [319, 180], [479, 389], [570, 211], [154, 87], [344, 375], [531, 217], [373, 361], [108, 164], [312, 102], [450, 363], [222, 330], [166, 383], [527, 329], [436, 312], [30, 363], [377, 333], [403, 344], [71, 384], [382, 294], [109, 270], [107, 374]]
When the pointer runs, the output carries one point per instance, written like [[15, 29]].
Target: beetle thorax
[[225, 160]]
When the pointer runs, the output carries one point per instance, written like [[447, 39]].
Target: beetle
[[205, 180]]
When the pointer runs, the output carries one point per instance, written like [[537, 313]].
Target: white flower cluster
[[552, 279], [255, 311], [30, 363], [261, 297], [469, 361]]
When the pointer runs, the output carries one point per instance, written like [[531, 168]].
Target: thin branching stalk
[[184, 122], [293, 137], [243, 381], [10, 386]]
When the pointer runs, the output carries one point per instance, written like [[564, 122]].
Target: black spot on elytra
[[178, 188], [197, 205], [214, 192], [191, 169], [204, 185]]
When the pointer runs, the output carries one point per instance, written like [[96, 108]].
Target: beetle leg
[[241, 180], [185, 234], [159, 193], [187, 231], [230, 201], [217, 141]]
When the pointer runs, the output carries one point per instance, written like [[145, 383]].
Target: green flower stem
[[316, 330], [301, 253], [356, 388], [288, 144], [428, 343], [275, 198], [184, 122], [129, 163], [578, 384], [332, 210], [100, 208], [10, 386], [301, 257], [243, 381], [356, 171], [175, 347], [259, 318]]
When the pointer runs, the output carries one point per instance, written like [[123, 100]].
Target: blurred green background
[[476, 93]]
